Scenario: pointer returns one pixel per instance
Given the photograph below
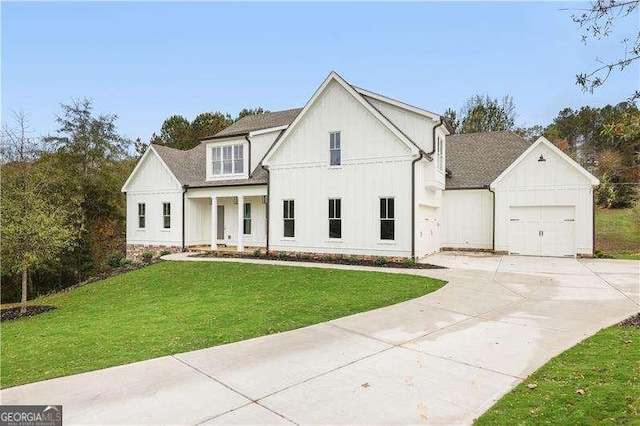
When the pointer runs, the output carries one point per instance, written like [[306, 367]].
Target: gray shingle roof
[[477, 159], [190, 169], [267, 120]]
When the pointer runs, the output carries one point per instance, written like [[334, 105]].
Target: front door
[[220, 222]]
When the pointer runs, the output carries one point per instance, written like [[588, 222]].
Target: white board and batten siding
[[153, 184], [544, 208], [375, 164], [467, 219]]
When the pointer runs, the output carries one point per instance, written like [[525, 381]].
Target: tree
[[487, 114], [209, 123], [175, 133], [251, 111], [36, 225], [531, 134], [597, 22], [451, 117]]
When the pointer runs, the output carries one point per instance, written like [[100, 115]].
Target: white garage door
[[542, 230]]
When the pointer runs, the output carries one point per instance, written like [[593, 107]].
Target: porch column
[[214, 222], [240, 223]]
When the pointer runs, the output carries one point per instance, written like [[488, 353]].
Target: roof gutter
[[433, 137], [421, 155]]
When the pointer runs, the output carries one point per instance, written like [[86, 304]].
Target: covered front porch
[[226, 218]]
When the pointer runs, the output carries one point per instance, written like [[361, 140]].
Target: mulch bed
[[633, 321], [10, 314], [312, 259]]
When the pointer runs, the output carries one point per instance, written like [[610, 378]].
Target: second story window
[[335, 150], [440, 153], [335, 218], [142, 215], [289, 218], [228, 159], [166, 215]]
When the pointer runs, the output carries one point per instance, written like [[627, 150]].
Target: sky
[[146, 61]]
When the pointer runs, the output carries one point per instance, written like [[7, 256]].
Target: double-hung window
[[387, 219], [335, 218], [142, 215], [166, 215], [335, 151], [227, 159], [289, 218], [246, 223]]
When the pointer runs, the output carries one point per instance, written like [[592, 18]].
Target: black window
[[335, 218], [247, 219], [142, 215], [166, 215], [289, 218], [334, 148], [387, 219]]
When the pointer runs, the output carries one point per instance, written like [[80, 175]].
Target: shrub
[[354, 259], [304, 256], [409, 262], [380, 261], [327, 258], [257, 253], [281, 255], [114, 259], [165, 252], [146, 256], [125, 262]]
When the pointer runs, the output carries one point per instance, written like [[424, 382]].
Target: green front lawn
[[618, 233], [175, 307], [606, 367]]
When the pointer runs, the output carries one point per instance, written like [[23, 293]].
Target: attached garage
[[544, 205], [512, 197]]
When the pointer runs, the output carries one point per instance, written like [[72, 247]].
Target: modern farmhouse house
[[357, 173]]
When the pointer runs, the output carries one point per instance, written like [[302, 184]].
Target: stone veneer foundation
[[134, 251]]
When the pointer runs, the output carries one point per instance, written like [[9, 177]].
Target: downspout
[[433, 137], [266, 169], [421, 155], [249, 155], [185, 188], [593, 223], [493, 226]]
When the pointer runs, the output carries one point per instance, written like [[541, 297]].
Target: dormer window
[[228, 160], [335, 150], [440, 154]]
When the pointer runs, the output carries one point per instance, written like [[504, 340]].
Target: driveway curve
[[443, 358]]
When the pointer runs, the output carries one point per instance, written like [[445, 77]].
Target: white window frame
[[387, 218], [166, 215], [335, 214], [142, 216], [234, 155], [288, 214], [440, 154], [335, 145]]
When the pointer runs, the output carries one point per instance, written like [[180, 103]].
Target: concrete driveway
[[440, 359]]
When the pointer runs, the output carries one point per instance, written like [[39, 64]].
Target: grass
[[175, 307], [618, 233], [605, 366]]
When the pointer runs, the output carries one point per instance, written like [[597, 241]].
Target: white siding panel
[[467, 219], [260, 144]]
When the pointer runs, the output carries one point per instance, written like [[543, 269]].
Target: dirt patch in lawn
[[10, 314], [633, 321]]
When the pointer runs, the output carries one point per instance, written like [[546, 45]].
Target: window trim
[[440, 153], [165, 216], [245, 219], [339, 149], [143, 216], [233, 146], [380, 219], [286, 209], [331, 216]]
